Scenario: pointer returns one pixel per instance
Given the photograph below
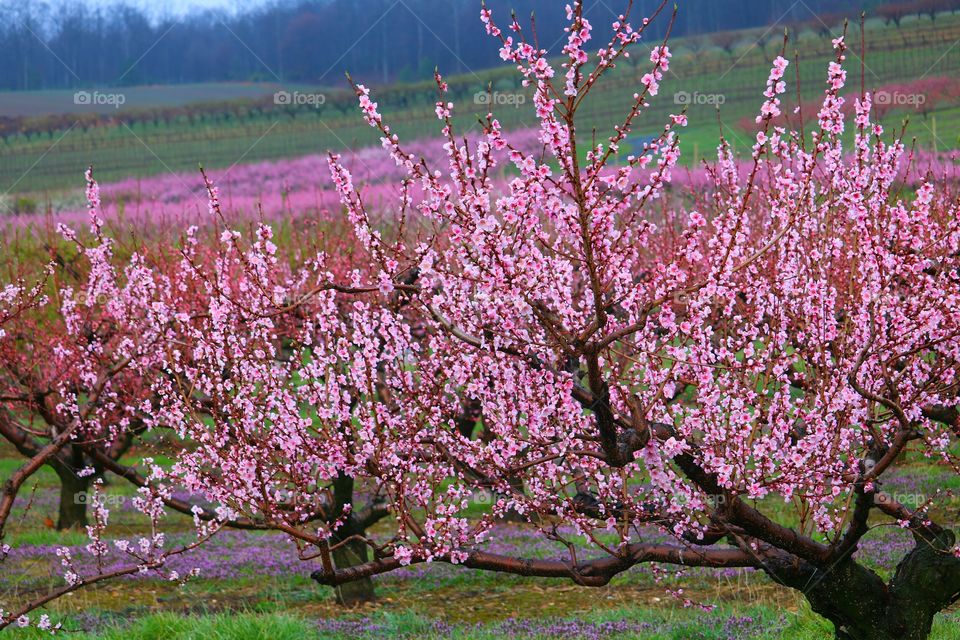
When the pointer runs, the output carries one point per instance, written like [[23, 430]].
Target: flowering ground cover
[[252, 585]]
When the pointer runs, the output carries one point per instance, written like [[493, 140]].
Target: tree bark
[[73, 502], [862, 607], [353, 593], [354, 552]]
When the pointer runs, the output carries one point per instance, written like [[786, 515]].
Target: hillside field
[[173, 128]]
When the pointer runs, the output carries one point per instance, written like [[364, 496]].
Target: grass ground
[[253, 586]]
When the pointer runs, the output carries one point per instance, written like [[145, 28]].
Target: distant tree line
[[72, 45]]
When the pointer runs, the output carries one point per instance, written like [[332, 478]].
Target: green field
[[61, 101], [47, 161]]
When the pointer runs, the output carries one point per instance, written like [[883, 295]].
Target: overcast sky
[[179, 7]]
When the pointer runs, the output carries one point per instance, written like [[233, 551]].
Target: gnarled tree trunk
[[863, 607], [351, 554], [73, 500]]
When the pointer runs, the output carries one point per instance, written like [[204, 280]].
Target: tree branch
[[591, 573]]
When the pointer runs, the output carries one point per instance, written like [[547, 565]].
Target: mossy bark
[[353, 593], [352, 553], [862, 606]]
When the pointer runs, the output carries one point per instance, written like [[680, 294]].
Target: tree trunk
[[73, 502], [862, 607], [354, 552], [361, 591]]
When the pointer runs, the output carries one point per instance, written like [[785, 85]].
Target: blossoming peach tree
[[73, 379], [737, 370]]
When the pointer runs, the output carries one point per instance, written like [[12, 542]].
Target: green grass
[[222, 626], [768, 623], [45, 477], [58, 101], [167, 626], [46, 537]]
